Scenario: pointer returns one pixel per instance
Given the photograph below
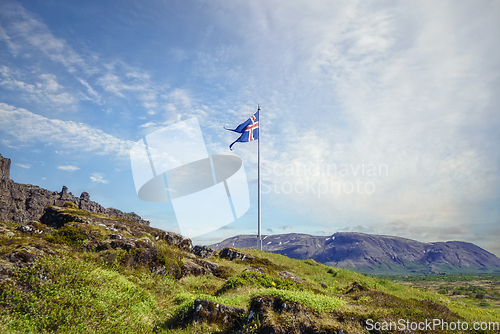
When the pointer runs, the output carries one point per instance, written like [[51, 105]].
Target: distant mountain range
[[376, 254]]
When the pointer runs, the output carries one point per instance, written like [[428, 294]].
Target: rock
[[116, 236], [126, 244], [54, 218], [210, 312], [85, 196], [144, 242], [31, 228], [175, 240], [262, 304], [255, 269], [356, 287], [158, 269], [4, 168], [64, 191], [207, 264], [191, 268], [25, 202], [123, 243], [231, 254], [204, 251], [25, 255], [25, 228], [293, 317], [6, 268], [291, 277]]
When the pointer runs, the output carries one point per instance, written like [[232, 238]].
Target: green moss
[[223, 272], [79, 212], [69, 235], [68, 204]]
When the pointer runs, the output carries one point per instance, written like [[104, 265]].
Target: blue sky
[[378, 117]]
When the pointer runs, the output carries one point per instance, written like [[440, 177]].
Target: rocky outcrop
[[232, 254], [204, 251], [211, 312], [28, 254], [23, 203], [4, 168], [175, 239], [278, 316], [291, 277]]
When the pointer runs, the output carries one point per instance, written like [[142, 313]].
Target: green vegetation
[[254, 279], [79, 279], [482, 290], [70, 235], [71, 205], [66, 295], [318, 303]]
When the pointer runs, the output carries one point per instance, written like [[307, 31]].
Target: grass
[[66, 295], [250, 278], [318, 303], [82, 290]]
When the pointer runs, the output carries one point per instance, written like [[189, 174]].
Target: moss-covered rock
[[211, 312]]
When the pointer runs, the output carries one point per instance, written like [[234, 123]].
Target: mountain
[[377, 254]]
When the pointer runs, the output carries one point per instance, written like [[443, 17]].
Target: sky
[[376, 117]]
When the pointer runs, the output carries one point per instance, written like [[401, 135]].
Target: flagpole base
[[259, 244]]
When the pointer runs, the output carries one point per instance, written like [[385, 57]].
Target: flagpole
[[259, 241]]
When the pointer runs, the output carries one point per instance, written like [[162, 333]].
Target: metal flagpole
[[259, 241]]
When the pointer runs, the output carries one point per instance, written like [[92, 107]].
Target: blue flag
[[249, 130]]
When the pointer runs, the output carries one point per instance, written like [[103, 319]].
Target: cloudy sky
[[378, 117]]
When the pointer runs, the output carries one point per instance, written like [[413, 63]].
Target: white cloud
[[145, 125], [406, 85], [27, 166], [124, 81], [44, 90], [412, 85], [26, 34], [96, 97], [98, 178], [68, 168], [27, 128]]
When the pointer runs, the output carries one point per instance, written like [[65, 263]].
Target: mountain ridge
[[378, 254], [22, 203]]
